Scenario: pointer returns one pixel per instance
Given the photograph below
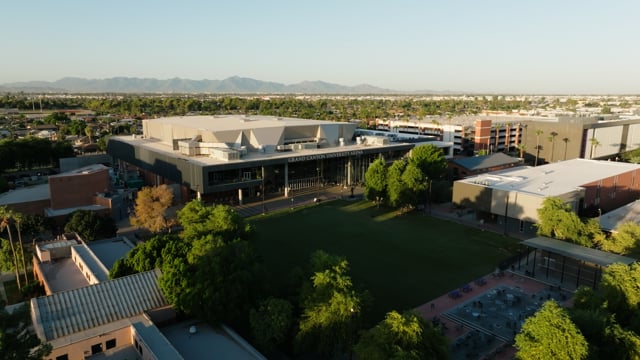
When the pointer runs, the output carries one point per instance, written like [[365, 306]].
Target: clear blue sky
[[560, 46]]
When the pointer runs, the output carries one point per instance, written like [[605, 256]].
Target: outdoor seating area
[[495, 317]]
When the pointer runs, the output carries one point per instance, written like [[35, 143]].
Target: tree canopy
[[151, 210], [403, 336], [329, 309], [17, 339], [90, 225], [376, 181], [271, 323], [550, 334], [430, 160]]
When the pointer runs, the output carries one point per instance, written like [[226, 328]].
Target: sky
[[492, 46]]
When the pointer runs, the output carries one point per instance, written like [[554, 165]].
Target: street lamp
[[318, 185], [263, 208]]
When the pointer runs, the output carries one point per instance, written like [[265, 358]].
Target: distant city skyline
[[566, 47]]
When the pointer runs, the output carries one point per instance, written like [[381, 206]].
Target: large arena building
[[233, 158]]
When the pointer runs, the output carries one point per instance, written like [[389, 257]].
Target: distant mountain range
[[232, 85]]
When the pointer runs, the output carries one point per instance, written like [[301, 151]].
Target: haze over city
[[569, 47]]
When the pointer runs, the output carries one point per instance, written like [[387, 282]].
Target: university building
[[512, 197], [233, 158]]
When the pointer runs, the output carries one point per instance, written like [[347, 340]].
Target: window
[[110, 344], [521, 226], [96, 349], [62, 357]]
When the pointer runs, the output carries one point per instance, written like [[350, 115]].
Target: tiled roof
[[72, 311]]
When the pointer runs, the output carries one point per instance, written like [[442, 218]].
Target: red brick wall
[[77, 190], [614, 191], [31, 208], [482, 137]]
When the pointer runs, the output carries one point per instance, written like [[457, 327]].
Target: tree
[[406, 336], [594, 144], [212, 271], [376, 181], [522, 148], [566, 143], [538, 133], [619, 289], [270, 323], [6, 216], [415, 185], [90, 225], [557, 220], [625, 241], [151, 208], [430, 160], [89, 132], [17, 339], [550, 334], [329, 311], [552, 140], [395, 186]]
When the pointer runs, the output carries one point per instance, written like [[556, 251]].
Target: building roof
[[628, 213], [200, 345], [27, 194], [577, 252], [476, 163], [259, 134], [89, 169], [94, 265], [551, 179], [77, 310], [238, 122], [108, 251]]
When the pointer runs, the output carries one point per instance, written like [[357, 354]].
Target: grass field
[[404, 261]]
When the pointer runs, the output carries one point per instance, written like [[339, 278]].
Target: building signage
[[325, 156]]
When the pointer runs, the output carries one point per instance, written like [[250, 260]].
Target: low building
[[612, 220], [512, 197], [128, 318]]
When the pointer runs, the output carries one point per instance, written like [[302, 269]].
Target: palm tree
[[552, 140], [594, 144], [19, 219], [566, 141], [507, 138], [498, 127], [522, 148], [89, 132], [538, 133], [5, 223]]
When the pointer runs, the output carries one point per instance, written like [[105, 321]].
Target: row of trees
[[325, 109], [406, 182], [602, 324], [210, 270], [558, 220], [31, 152]]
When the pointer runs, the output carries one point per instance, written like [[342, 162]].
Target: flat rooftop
[[66, 211], [628, 213], [63, 274], [551, 179], [93, 263], [109, 250], [26, 194], [89, 169], [164, 148], [237, 122], [208, 342]]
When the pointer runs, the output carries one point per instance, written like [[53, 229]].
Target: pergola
[[560, 262]]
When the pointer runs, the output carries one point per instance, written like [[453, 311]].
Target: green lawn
[[404, 261]]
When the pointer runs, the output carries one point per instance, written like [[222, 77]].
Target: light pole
[[318, 185], [263, 208]]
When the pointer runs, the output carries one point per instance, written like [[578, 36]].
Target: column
[[286, 179], [240, 196]]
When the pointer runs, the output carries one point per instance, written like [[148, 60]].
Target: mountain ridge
[[230, 85]]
